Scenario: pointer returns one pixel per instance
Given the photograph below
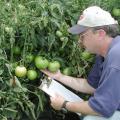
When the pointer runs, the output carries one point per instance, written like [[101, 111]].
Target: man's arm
[[78, 107], [81, 107], [78, 84]]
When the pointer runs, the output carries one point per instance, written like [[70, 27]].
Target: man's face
[[89, 40]]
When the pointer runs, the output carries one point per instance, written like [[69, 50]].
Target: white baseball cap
[[92, 17]]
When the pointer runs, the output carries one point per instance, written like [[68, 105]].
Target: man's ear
[[101, 32]]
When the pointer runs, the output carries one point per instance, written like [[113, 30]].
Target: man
[[98, 32]]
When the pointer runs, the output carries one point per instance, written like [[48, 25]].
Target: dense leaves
[[32, 28]]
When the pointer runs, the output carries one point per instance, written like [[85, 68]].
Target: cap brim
[[77, 29]]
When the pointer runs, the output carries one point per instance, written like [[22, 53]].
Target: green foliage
[[31, 25]]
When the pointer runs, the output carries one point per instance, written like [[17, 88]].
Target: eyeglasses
[[82, 35], [81, 38]]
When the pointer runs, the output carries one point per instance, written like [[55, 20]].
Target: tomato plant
[[116, 11], [54, 66], [59, 33], [20, 71], [67, 71], [41, 63], [8, 30], [85, 55], [16, 50], [32, 74], [38, 28], [29, 58]]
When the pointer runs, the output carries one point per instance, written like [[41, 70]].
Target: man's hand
[[55, 75], [57, 102]]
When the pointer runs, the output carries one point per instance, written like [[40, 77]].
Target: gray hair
[[111, 30]]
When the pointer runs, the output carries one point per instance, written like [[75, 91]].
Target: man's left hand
[[57, 101]]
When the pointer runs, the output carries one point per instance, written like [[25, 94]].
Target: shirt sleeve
[[106, 98], [95, 73]]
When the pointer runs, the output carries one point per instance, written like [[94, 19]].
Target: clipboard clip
[[46, 80]]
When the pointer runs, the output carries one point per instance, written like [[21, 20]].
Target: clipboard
[[51, 86]]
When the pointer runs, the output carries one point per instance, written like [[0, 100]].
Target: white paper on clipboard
[[51, 87]]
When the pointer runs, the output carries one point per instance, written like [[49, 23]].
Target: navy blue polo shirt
[[105, 78]]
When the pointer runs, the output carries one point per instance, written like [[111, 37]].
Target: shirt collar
[[115, 41]]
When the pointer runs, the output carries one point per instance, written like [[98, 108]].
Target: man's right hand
[[55, 75]]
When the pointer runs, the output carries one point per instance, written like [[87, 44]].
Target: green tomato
[[54, 66], [59, 33], [20, 71], [16, 50], [9, 30], [67, 71], [85, 55], [116, 11], [63, 39], [41, 63], [29, 58], [22, 7], [32, 74]]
